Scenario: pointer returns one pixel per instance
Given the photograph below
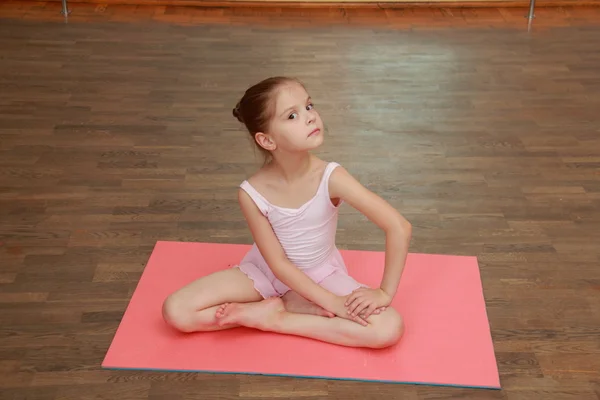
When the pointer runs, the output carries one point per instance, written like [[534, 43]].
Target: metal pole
[[65, 11], [531, 14]]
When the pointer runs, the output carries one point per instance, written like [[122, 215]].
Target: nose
[[311, 117]]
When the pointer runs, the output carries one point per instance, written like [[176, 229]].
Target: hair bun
[[237, 114]]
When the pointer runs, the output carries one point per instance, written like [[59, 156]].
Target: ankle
[[277, 323]]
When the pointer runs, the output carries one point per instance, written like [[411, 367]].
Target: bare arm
[[398, 231], [273, 253]]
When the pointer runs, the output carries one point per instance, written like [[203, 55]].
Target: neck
[[293, 166]]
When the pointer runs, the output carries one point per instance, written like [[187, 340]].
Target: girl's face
[[296, 126]]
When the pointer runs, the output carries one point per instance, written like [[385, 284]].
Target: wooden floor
[[116, 131]]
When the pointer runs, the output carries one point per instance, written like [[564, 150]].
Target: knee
[[389, 328], [175, 314]]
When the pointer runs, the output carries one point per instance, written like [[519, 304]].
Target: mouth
[[315, 132]]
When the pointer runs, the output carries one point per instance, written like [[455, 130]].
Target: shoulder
[[344, 186], [250, 193], [341, 180]]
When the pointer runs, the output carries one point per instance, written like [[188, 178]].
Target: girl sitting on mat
[[293, 280]]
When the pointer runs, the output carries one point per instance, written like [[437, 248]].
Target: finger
[[358, 305], [356, 319], [356, 300], [372, 307], [361, 307], [349, 300], [376, 311], [353, 296], [360, 320], [368, 311]]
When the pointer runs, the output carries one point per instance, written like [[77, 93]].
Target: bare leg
[[295, 303], [270, 315], [193, 307]]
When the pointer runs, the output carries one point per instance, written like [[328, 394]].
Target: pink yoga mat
[[447, 339]]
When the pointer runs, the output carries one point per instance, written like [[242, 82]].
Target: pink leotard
[[307, 235]]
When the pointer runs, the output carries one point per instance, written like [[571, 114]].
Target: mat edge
[[499, 387]]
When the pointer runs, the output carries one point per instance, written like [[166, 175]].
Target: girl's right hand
[[339, 308]]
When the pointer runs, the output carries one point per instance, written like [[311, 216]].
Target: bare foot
[[301, 306], [261, 315]]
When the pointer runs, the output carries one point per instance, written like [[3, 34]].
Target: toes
[[221, 310]]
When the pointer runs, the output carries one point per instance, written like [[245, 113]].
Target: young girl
[[293, 280]]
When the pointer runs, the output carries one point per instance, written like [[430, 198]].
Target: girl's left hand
[[365, 301]]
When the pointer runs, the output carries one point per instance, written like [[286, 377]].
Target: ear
[[265, 141]]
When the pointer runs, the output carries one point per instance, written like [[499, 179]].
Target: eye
[[310, 106], [292, 115]]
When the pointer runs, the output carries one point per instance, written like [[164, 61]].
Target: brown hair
[[257, 107]]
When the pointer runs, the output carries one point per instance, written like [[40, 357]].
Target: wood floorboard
[[484, 135]]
